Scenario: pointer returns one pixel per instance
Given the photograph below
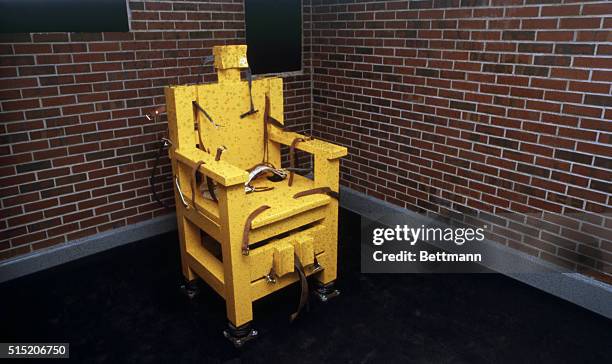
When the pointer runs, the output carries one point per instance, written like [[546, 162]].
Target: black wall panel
[[28, 16], [274, 35]]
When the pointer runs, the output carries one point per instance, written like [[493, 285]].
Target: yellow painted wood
[[288, 225], [314, 146], [207, 266], [261, 259], [221, 171], [283, 259], [308, 224], [237, 276], [262, 288], [199, 220], [281, 201], [304, 249]]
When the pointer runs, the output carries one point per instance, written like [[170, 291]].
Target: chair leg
[[330, 246], [236, 271], [239, 307], [188, 234]]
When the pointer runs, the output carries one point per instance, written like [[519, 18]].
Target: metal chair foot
[[326, 292], [239, 335], [190, 289]]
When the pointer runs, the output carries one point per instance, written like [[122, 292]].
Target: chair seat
[[281, 201]]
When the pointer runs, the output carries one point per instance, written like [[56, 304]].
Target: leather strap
[[194, 173], [303, 286], [198, 126], [276, 123], [266, 118], [267, 121], [262, 189], [247, 227], [252, 110], [201, 109], [292, 158], [209, 182], [210, 185], [325, 190]]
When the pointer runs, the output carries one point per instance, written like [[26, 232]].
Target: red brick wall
[[75, 149], [492, 112]]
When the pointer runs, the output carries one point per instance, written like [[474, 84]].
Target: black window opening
[[274, 35], [30, 16]]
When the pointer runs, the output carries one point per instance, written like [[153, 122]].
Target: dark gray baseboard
[[579, 289], [573, 287], [63, 253]]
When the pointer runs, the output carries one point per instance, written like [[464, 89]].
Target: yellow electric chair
[[248, 227]]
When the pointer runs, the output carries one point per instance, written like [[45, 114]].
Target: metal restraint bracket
[[271, 277], [178, 187], [316, 267]]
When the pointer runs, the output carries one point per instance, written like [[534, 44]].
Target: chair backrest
[[225, 101]]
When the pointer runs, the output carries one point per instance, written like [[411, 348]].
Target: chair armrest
[[315, 146], [222, 172]]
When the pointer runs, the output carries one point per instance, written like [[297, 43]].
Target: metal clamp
[[315, 267], [178, 187], [167, 142], [259, 171], [271, 277]]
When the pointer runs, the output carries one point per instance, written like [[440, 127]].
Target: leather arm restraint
[[325, 190], [210, 184], [194, 187], [292, 158], [247, 227]]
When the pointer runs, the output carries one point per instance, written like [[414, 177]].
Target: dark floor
[[124, 306]]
